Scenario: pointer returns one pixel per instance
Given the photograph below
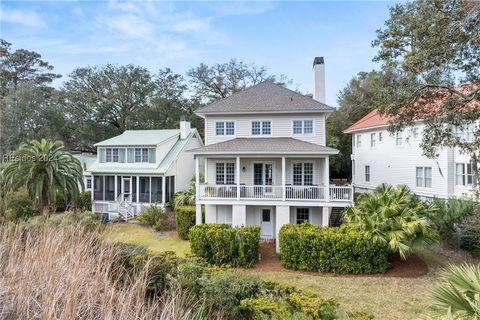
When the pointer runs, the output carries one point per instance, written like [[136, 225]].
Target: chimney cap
[[318, 60], [183, 118]]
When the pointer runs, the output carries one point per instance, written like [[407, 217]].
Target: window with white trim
[[367, 173], [359, 140], [423, 177], [111, 155], [89, 183], [261, 128], [225, 173], [373, 139], [398, 138], [225, 128], [380, 136], [464, 174], [302, 173], [141, 154], [303, 215], [302, 127]]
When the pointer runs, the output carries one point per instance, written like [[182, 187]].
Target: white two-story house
[[142, 167], [381, 157], [265, 159]]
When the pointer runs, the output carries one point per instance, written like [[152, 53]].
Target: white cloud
[[192, 25], [128, 25], [27, 18], [77, 11]]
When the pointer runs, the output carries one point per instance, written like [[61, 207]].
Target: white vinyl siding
[[398, 138]]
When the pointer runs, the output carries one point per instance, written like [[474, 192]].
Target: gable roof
[[139, 137], [265, 97], [162, 168], [371, 120], [264, 146]]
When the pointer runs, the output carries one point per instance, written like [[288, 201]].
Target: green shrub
[[185, 219], [467, 232], [84, 201], [360, 315], [396, 216], [221, 244], [19, 206], [224, 292], [153, 216], [449, 213], [332, 249], [313, 305]]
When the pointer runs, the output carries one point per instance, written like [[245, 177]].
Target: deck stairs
[[336, 216]]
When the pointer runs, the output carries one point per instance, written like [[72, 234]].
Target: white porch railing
[[312, 193]]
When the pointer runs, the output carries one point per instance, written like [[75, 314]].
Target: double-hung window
[[303, 214], [367, 173], [303, 173], [359, 140], [398, 138], [423, 177], [261, 128], [373, 139], [380, 136], [464, 174], [225, 173], [225, 128], [302, 127], [111, 155], [141, 154]]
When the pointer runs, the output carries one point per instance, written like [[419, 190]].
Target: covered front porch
[[128, 195]]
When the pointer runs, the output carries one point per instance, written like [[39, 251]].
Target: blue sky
[[283, 36]]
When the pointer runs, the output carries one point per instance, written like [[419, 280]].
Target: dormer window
[[141, 154], [302, 127], [261, 128], [111, 155], [225, 128]]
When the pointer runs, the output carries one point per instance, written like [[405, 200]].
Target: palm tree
[[46, 170], [394, 216], [187, 197], [459, 292]]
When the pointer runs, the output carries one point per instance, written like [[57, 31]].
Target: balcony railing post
[[284, 191]]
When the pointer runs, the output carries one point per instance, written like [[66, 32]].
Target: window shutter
[[151, 155], [102, 155], [130, 155], [121, 155]]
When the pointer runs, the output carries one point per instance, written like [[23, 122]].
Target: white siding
[[281, 126], [396, 165]]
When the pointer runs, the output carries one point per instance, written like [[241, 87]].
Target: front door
[[266, 223], [127, 189], [263, 176]]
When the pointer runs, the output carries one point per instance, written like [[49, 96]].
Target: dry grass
[[70, 274]]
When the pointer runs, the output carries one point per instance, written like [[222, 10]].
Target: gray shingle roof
[[264, 146], [265, 97]]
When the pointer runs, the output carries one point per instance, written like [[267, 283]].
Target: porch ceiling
[[265, 146]]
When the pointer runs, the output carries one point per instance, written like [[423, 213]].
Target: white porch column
[[197, 177], [198, 214], [93, 193], [239, 215], [326, 177], [237, 171], [326, 216], [282, 217], [138, 189], [164, 190], [115, 185], [284, 191]]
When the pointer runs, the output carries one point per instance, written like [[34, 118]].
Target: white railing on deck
[[341, 193], [312, 193]]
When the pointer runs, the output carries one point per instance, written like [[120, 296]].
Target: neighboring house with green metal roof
[[87, 160], [142, 167]]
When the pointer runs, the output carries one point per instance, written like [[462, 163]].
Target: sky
[[283, 36]]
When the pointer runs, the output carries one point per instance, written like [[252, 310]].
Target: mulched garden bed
[[411, 268]]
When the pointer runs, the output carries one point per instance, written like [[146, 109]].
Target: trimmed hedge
[[184, 219], [331, 249], [221, 244]]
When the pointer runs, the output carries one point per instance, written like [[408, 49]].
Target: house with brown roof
[[379, 156], [265, 159]]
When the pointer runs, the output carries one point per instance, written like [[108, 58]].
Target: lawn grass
[[142, 235], [386, 298]]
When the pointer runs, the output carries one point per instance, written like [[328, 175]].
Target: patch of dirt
[[411, 268], [450, 250]]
